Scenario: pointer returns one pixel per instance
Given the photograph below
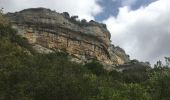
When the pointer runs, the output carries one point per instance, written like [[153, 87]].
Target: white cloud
[[143, 33], [83, 8]]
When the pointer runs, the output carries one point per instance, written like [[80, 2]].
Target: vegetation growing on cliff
[[27, 75]]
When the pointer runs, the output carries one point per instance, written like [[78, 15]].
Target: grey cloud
[[143, 33]]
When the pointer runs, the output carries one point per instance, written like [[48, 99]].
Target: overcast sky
[[141, 27]]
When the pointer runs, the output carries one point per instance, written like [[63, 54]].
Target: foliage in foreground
[[27, 75]]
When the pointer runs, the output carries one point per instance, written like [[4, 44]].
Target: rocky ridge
[[49, 31]]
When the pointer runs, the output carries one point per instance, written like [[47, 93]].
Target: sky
[[140, 27]]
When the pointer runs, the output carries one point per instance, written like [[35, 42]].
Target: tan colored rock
[[83, 40]]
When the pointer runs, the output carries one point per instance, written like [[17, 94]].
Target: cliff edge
[[49, 31]]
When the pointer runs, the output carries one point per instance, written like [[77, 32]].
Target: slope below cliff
[[49, 31]]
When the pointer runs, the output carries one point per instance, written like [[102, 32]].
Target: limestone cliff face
[[50, 31]]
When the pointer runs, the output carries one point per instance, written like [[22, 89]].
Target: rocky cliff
[[49, 31]]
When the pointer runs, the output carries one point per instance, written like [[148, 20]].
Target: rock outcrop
[[133, 65], [50, 31]]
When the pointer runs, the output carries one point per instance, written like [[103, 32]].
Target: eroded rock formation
[[49, 31]]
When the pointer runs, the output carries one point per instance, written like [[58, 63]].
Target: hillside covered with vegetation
[[28, 75]]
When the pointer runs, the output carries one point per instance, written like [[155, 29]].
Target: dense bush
[[95, 67]]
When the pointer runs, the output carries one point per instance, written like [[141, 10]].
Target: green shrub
[[95, 67]]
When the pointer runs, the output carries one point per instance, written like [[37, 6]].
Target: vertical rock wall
[[53, 31]]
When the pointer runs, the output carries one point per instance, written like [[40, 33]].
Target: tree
[[95, 67], [167, 61], [3, 21]]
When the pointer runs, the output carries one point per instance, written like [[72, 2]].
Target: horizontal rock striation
[[50, 31]]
